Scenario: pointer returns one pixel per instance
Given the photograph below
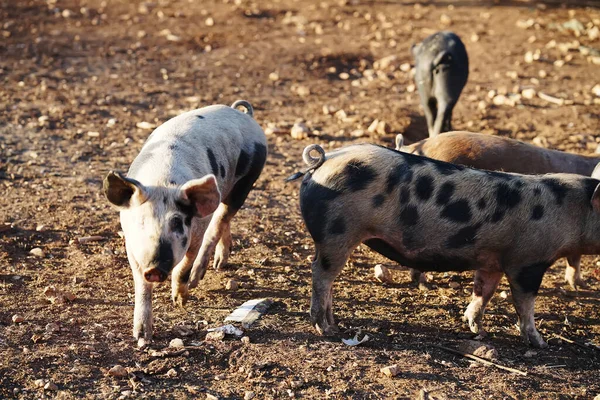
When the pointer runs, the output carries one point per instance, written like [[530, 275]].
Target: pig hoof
[[328, 330], [180, 298], [535, 339], [143, 343]]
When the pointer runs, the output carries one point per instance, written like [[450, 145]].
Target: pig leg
[[223, 247], [430, 109], [524, 285], [218, 223], [181, 274], [325, 268], [484, 288], [142, 311], [443, 118], [573, 272]]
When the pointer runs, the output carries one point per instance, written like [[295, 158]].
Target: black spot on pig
[[358, 175], [378, 200], [325, 263], [431, 262], [481, 203], [457, 211], [537, 191], [408, 240], [409, 216], [176, 225], [413, 160], [424, 187], [464, 237], [213, 162], [401, 174], [530, 277], [497, 216], [200, 116], [222, 170], [404, 195], [184, 241], [338, 227], [537, 213], [315, 198], [172, 146], [242, 164], [163, 258], [188, 210], [445, 193], [558, 188], [507, 197], [240, 190]]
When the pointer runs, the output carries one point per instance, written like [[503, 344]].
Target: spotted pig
[[177, 200], [442, 70], [496, 153], [436, 216]]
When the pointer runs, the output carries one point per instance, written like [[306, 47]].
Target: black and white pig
[[176, 203], [436, 216], [442, 69]]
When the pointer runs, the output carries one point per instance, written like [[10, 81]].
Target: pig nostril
[[155, 276]]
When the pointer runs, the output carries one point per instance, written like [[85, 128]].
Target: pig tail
[[245, 104], [312, 162]]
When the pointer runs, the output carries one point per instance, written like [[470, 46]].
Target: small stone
[[209, 21], [386, 62], [52, 327], [341, 114], [66, 13], [171, 373], [145, 125], [411, 88], [405, 67], [299, 131], [328, 110], [245, 340], [529, 57], [542, 73], [17, 319], [249, 395], [454, 285], [39, 383], [93, 134], [344, 76], [211, 397], [474, 38], [391, 370], [357, 133], [445, 20], [37, 252], [482, 105], [274, 76], [118, 371], [499, 100], [302, 91], [41, 228], [232, 284], [479, 349], [215, 336], [383, 128], [530, 353], [177, 343], [110, 335], [596, 90], [50, 386], [383, 274], [528, 93]]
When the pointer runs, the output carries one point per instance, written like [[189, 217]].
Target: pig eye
[[176, 225]]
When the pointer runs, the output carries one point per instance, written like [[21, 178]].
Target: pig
[[442, 70], [178, 198], [435, 216], [496, 153]]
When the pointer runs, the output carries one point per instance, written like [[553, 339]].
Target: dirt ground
[[82, 81]]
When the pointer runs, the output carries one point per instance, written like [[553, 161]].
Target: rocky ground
[[84, 82]]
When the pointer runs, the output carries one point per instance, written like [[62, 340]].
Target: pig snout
[[155, 275]]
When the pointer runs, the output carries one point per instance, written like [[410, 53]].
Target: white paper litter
[[250, 311], [354, 341], [228, 329]]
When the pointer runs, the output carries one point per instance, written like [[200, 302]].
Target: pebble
[[176, 343], [500, 99], [454, 285], [341, 114], [145, 125], [52, 327], [528, 93], [41, 228], [211, 397], [299, 131], [301, 91], [596, 90], [405, 67], [474, 38], [50, 386], [209, 21], [328, 110], [274, 76], [215, 336], [37, 252], [249, 395], [391, 370], [344, 76], [245, 340], [479, 349], [357, 133], [446, 20], [118, 371], [171, 373], [17, 319], [383, 274], [386, 62], [39, 383], [232, 284]]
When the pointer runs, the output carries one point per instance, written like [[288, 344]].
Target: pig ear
[[596, 199], [123, 192], [203, 194], [596, 172]]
